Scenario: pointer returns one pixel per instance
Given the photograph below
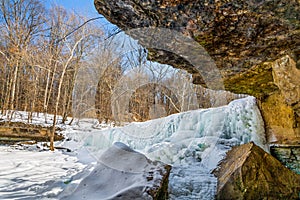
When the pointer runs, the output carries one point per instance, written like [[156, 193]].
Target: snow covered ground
[[192, 142], [28, 174]]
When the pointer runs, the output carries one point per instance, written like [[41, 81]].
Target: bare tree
[[72, 51], [21, 21]]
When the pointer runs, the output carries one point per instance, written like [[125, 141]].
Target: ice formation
[[192, 142]]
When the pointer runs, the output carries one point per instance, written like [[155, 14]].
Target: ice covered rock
[[248, 172], [122, 173]]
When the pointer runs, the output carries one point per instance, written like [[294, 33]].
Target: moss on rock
[[257, 81]]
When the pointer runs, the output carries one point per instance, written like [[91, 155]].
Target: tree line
[[40, 58], [41, 52]]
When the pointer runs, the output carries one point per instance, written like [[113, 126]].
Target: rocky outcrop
[[237, 34], [281, 108], [122, 173], [11, 132], [248, 172], [255, 47]]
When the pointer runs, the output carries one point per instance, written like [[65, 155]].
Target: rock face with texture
[[281, 108], [254, 44], [288, 155], [248, 172], [122, 173], [238, 34]]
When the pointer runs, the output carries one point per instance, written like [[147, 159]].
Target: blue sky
[[81, 7], [85, 7]]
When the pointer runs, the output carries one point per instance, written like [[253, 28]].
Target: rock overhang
[[238, 35]]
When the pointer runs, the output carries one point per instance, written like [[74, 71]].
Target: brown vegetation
[[39, 58]]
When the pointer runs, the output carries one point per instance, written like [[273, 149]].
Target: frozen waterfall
[[192, 142]]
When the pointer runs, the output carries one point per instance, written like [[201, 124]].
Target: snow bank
[[35, 175], [121, 173]]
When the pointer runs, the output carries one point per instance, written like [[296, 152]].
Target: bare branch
[[77, 28]]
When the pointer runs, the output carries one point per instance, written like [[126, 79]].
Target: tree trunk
[[59, 93], [45, 105]]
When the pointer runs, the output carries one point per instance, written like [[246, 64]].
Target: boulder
[[122, 173], [281, 108], [248, 172]]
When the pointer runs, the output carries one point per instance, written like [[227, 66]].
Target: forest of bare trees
[[40, 58]]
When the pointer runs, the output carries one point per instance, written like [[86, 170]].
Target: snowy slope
[[35, 175]]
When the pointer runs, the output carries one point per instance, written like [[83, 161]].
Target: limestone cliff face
[[255, 45], [281, 109]]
